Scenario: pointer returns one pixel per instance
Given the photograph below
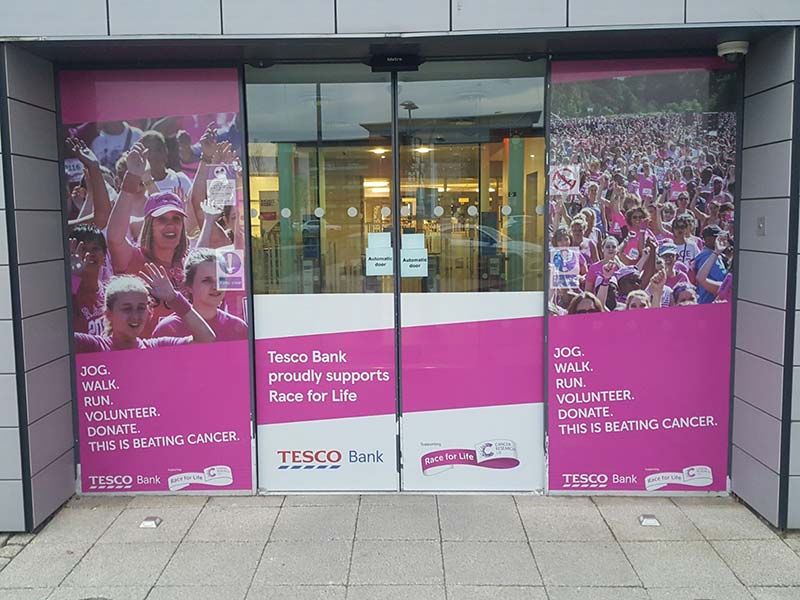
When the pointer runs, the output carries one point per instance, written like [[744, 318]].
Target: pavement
[[446, 547]]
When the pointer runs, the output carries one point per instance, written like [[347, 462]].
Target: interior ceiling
[[342, 48]]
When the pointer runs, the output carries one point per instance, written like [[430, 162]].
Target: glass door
[[472, 217]]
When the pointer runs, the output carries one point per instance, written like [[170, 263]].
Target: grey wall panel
[[794, 448], [3, 238], [53, 486], [757, 433], [53, 18], [796, 393], [39, 236], [30, 78], [50, 437], [382, 16], [48, 387], [775, 215], [7, 364], [761, 112], [9, 412], [759, 382], [760, 330], [33, 132], [12, 508], [755, 484], [5, 293], [173, 17], [721, 11], [766, 171], [588, 13], [770, 62], [797, 338], [794, 503], [509, 14], [278, 17], [42, 287], [762, 278], [36, 184], [10, 462], [45, 338], [2, 188]]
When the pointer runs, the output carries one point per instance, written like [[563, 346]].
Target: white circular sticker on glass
[[506, 210], [405, 210], [472, 211], [286, 213], [540, 210], [438, 211], [319, 212], [386, 211], [352, 211]]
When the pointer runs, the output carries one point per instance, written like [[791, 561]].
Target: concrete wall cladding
[[119, 18]]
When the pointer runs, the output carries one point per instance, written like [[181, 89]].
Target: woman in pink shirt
[[128, 310], [594, 275]]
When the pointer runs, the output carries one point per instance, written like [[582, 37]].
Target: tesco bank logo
[[585, 480], [110, 482], [309, 459]]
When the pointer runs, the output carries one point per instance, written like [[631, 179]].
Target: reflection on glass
[[320, 177], [472, 174]]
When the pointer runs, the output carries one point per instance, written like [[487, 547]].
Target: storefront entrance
[[384, 209]]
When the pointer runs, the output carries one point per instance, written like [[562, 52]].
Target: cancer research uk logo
[[490, 454], [307, 460]]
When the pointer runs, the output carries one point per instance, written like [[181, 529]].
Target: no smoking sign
[[564, 180]]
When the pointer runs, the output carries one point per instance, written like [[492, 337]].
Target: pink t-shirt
[[679, 277], [225, 326], [631, 249], [595, 274], [616, 222], [647, 187], [103, 343]]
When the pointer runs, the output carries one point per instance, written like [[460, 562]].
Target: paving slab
[[304, 563], [729, 521], [622, 515], [10, 551], [109, 593], [26, 594], [397, 499], [577, 564], [490, 563], [44, 565], [296, 523], [495, 592], [209, 592], [91, 502], [793, 543], [246, 501], [69, 526], [412, 521], [480, 519], [321, 500], [542, 500], [678, 565], [202, 564], [395, 592], [224, 524], [775, 593], [21, 539], [579, 522], [154, 501], [713, 593], [297, 592], [121, 565], [597, 593], [761, 563], [396, 562], [175, 523]]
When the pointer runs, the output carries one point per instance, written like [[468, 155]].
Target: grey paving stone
[[69, 526], [297, 523], [715, 593], [208, 592], [577, 564], [175, 524], [729, 521], [44, 565], [495, 592], [21, 539], [92, 502], [678, 564], [597, 593], [297, 592], [216, 524], [761, 563], [564, 523], [120, 565], [211, 563], [775, 593], [623, 518], [4, 538], [10, 551], [246, 501], [396, 562], [481, 519], [156, 501], [395, 592], [489, 563], [321, 500], [299, 563], [26, 594], [412, 521], [6, 561], [495, 500], [541, 500], [793, 542], [109, 593], [396, 499]]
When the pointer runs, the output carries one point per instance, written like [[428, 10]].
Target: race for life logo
[[490, 454], [216, 476], [565, 180], [297, 460]]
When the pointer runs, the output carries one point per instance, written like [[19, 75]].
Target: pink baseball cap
[[163, 203]]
